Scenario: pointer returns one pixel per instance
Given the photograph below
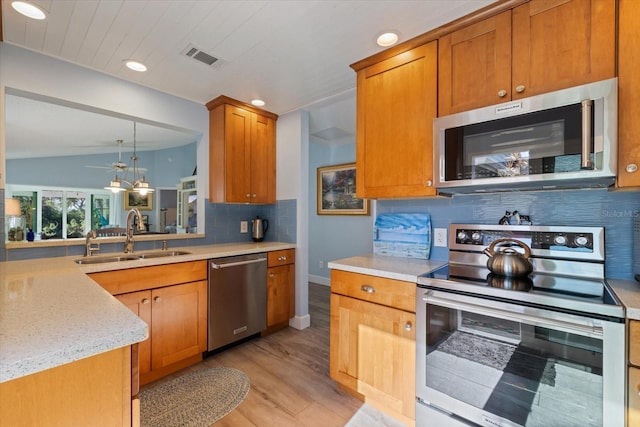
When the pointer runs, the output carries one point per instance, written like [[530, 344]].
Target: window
[[63, 213]]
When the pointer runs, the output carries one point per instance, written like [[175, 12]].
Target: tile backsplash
[[613, 210]]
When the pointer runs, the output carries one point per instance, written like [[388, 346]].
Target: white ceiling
[[291, 53]]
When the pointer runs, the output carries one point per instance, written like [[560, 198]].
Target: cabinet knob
[[157, 299], [408, 326], [429, 183], [520, 88], [145, 301], [368, 289], [631, 168], [502, 93], [254, 196], [272, 275], [248, 196]]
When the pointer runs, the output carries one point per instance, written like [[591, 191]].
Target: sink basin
[[100, 260], [160, 254]]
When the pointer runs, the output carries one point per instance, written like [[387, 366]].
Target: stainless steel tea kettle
[[258, 229], [508, 261]]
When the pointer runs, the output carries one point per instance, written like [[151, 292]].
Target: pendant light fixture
[[137, 183]]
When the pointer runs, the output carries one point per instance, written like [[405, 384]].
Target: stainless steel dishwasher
[[237, 298]]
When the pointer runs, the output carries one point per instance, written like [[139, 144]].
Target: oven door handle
[[594, 330]]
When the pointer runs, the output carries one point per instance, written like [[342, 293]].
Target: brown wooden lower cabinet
[[372, 345], [281, 280], [95, 391], [176, 313]]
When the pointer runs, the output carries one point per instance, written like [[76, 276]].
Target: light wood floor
[[289, 373]]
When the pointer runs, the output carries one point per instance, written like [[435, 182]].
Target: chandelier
[[137, 183]]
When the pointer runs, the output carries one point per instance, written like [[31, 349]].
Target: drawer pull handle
[[145, 300], [408, 326], [368, 289], [157, 299]]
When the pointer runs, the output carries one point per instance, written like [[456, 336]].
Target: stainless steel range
[[501, 347]]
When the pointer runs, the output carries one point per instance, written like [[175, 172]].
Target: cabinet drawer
[[283, 257], [137, 279], [390, 292], [634, 342]]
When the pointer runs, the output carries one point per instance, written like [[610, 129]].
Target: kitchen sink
[[100, 260], [160, 254]]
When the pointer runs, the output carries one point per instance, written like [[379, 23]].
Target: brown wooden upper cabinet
[[537, 47], [628, 94], [396, 104], [242, 153]]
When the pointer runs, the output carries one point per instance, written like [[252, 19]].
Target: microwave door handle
[[531, 319], [586, 162]]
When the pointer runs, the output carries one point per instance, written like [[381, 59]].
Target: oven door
[[501, 364]]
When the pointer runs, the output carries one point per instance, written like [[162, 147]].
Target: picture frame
[[133, 199], [336, 191]]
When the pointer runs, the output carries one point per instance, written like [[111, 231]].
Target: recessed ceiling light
[[29, 10], [257, 102], [387, 39], [135, 65]]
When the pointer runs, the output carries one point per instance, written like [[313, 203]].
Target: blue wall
[[333, 237], [614, 211]]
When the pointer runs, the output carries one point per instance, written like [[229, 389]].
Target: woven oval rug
[[196, 399]]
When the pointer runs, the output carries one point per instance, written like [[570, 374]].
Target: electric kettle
[[258, 229]]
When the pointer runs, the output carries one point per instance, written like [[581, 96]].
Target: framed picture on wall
[[337, 191], [137, 200]]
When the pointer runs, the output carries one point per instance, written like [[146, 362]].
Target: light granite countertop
[[409, 269], [628, 292], [52, 313]]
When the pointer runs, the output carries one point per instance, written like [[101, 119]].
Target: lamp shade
[[12, 207]]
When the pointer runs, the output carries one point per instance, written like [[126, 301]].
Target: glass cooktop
[[560, 293]]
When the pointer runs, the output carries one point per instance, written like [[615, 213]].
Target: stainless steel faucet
[[128, 243], [89, 249]]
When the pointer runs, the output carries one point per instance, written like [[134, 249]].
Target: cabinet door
[[474, 65], [179, 318], [279, 294], [140, 304], [634, 397], [263, 159], [628, 94], [372, 351], [396, 104], [562, 43], [237, 128]]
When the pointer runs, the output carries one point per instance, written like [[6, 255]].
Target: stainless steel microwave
[[562, 139]]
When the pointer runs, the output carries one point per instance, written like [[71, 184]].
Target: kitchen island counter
[[52, 313]]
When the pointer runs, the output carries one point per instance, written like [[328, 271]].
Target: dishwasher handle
[[236, 263]]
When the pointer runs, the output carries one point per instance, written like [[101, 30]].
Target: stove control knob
[[560, 240], [462, 235], [476, 236], [581, 241]]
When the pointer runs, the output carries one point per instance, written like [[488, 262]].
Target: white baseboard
[[319, 280], [300, 322]]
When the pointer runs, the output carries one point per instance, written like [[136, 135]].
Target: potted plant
[[16, 234]]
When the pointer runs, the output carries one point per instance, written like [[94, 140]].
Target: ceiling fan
[[118, 166]]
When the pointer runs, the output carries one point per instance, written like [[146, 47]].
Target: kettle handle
[[265, 224], [490, 250]]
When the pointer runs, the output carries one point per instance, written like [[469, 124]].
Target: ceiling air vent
[[201, 56]]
